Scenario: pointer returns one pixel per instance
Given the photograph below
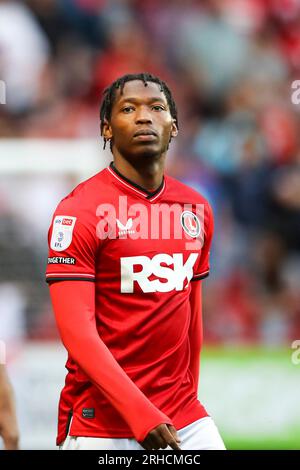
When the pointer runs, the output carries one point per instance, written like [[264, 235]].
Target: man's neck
[[148, 176]]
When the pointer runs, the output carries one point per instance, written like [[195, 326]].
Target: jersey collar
[[151, 196]]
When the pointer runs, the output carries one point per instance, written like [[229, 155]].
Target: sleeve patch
[[62, 233]]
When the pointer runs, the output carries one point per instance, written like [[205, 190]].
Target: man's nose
[[143, 116]]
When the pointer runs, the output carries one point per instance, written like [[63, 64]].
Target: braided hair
[[110, 94]]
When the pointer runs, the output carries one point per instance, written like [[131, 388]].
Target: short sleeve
[[203, 267], [73, 246]]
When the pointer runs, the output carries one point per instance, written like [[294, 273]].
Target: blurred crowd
[[230, 65]]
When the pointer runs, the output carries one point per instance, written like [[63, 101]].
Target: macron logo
[[123, 229]]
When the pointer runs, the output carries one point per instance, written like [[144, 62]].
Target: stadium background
[[230, 64]]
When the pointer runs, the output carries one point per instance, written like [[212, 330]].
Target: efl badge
[[63, 226], [190, 223]]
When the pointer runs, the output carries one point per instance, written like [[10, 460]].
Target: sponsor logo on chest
[[162, 273]]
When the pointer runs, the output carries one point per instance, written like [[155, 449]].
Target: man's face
[[141, 124]]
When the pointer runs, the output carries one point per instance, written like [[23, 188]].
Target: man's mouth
[[145, 135]]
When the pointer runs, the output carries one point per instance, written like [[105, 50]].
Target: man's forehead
[[136, 89]]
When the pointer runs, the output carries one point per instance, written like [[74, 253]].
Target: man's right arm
[[73, 304]]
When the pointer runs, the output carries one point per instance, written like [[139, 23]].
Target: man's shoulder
[[86, 194], [184, 193]]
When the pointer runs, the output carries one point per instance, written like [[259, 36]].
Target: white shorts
[[199, 435]]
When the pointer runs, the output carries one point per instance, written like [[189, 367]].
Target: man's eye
[[127, 109], [158, 107]]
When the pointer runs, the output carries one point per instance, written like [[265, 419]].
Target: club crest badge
[[190, 224]]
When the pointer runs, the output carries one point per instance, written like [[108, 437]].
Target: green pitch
[[253, 395]]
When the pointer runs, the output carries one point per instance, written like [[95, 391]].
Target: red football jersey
[[142, 250]]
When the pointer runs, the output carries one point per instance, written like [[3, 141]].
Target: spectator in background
[[24, 53]]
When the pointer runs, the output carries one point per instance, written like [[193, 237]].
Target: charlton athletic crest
[[190, 223]]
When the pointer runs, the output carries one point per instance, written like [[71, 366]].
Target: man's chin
[[142, 152], [147, 151]]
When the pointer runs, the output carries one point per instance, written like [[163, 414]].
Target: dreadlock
[[110, 94]]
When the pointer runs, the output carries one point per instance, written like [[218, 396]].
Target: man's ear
[[107, 130], [174, 130]]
